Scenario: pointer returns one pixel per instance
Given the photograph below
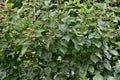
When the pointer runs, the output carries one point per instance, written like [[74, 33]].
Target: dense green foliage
[[59, 40]]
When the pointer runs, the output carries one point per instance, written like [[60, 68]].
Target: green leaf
[[47, 56], [21, 42], [97, 43], [98, 77], [63, 43], [23, 50], [108, 55], [63, 50], [47, 71], [107, 66], [38, 32], [48, 44], [91, 35], [91, 69], [2, 75], [118, 43], [53, 13], [64, 70], [76, 44], [111, 78], [114, 52], [62, 27], [47, 2], [65, 18], [37, 13], [67, 38], [101, 24], [1, 54], [99, 55], [94, 58], [9, 5]]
